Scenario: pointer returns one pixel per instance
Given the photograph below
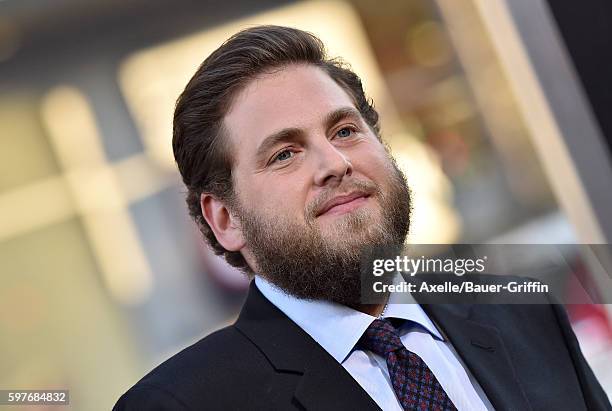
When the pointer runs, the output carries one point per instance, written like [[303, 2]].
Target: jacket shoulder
[[199, 374]]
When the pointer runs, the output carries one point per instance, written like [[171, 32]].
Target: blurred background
[[498, 112]]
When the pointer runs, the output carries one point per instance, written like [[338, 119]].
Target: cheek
[[279, 196], [373, 164]]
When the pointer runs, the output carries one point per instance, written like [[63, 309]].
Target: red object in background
[[591, 322]]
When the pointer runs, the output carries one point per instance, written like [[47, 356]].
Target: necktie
[[415, 386]]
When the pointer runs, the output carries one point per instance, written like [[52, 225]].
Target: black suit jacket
[[525, 357]]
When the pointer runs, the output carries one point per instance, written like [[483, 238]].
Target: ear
[[222, 223]]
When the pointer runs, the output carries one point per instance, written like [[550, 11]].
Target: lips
[[340, 200]]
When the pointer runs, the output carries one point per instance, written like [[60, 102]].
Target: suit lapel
[[483, 352], [325, 384]]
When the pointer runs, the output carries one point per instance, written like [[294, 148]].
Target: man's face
[[313, 183]]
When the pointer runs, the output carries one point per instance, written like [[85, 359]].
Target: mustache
[[367, 187]]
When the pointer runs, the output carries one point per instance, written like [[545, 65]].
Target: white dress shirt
[[338, 328]]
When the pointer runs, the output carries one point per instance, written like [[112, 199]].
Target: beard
[[301, 261]]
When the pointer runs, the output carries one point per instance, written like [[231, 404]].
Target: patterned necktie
[[415, 385]]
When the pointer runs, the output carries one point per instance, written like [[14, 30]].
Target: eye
[[345, 132], [283, 156]]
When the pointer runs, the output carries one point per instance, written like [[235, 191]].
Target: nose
[[333, 164]]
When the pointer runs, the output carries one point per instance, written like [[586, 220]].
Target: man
[[289, 180]]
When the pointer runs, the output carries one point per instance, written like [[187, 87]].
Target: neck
[[375, 310]]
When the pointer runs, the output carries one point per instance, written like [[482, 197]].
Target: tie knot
[[381, 338]]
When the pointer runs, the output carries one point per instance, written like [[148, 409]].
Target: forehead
[[297, 96]]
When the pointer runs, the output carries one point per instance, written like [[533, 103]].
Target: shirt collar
[[409, 309], [337, 328]]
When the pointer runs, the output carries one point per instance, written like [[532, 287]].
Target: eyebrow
[[290, 133]]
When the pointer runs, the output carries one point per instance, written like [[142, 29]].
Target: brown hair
[[200, 150]]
